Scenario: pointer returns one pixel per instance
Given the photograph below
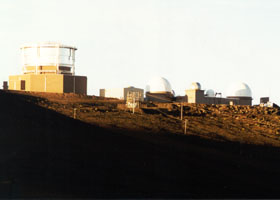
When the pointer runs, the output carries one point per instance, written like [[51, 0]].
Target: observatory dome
[[195, 86], [159, 85], [239, 89], [48, 57], [210, 93]]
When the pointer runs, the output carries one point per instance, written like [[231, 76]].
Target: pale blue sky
[[126, 42]]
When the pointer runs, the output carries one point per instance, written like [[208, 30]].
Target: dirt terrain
[[245, 124], [108, 152]]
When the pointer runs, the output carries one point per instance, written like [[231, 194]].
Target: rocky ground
[[245, 124], [227, 151]]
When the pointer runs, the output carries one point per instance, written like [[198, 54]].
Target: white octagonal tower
[[48, 58]]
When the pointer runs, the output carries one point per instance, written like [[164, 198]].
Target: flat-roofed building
[[48, 67], [122, 93], [238, 94]]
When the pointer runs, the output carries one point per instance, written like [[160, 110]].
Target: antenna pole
[[181, 111]]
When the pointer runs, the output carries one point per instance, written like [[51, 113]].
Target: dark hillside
[[110, 153]]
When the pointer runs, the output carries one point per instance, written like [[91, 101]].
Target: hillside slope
[[109, 152]]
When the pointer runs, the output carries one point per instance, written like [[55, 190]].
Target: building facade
[[198, 96], [122, 93], [48, 67], [159, 90]]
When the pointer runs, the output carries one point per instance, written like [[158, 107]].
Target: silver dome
[[239, 89], [195, 86], [158, 85], [210, 93]]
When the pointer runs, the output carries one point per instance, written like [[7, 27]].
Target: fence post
[[185, 129], [75, 113], [133, 104]]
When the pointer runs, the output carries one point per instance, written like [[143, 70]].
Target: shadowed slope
[[46, 154]]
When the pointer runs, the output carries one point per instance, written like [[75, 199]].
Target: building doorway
[[22, 85]]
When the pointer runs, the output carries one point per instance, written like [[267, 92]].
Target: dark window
[[22, 85]]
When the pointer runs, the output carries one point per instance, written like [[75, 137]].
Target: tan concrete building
[[197, 96], [56, 83], [122, 93], [159, 90], [238, 94], [48, 67]]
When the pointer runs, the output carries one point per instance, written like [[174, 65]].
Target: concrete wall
[[219, 100], [75, 84], [113, 93], [14, 82], [139, 91], [81, 85], [47, 69], [38, 84], [102, 92], [56, 83], [47, 83], [243, 100], [195, 96], [159, 97], [121, 93], [5, 85]]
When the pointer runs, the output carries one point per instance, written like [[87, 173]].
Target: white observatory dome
[[195, 86], [210, 93], [48, 57], [158, 85], [239, 89]]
